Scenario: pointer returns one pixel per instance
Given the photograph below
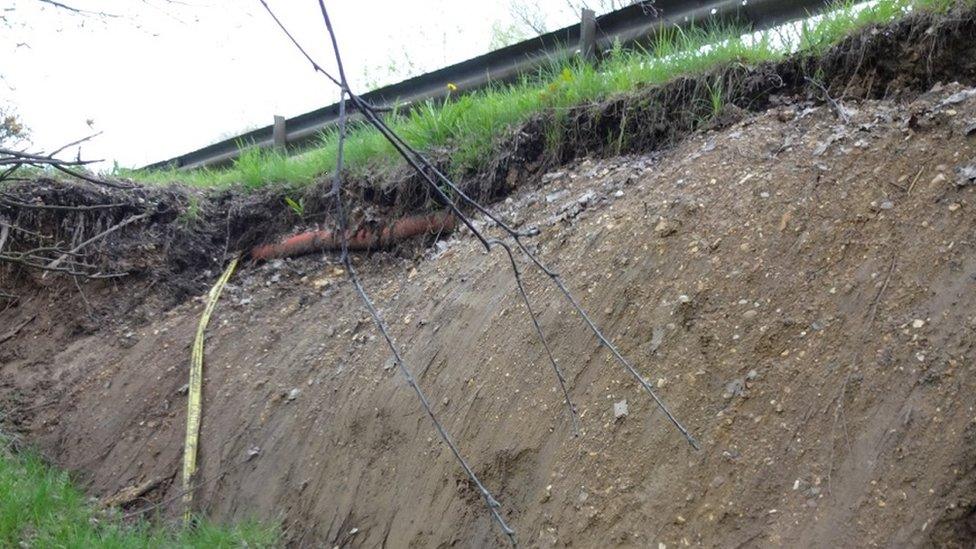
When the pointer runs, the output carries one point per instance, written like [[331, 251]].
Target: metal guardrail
[[635, 24]]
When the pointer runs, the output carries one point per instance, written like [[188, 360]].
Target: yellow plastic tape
[[193, 405]]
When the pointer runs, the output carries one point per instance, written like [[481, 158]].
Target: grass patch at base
[[469, 126], [40, 507]]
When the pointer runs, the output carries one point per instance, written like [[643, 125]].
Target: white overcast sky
[[162, 79]]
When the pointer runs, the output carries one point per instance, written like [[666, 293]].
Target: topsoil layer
[[797, 284]]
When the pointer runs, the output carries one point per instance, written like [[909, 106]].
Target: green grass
[[191, 215], [40, 507], [470, 126]]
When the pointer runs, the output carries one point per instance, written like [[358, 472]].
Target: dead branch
[[32, 263], [9, 201], [542, 336], [10, 157], [56, 258], [75, 10], [13, 160], [435, 180], [838, 108], [98, 236], [884, 286], [36, 235], [415, 159], [490, 502], [16, 330], [89, 179], [4, 233], [74, 143], [84, 298]]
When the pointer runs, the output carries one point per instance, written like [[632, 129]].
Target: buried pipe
[[361, 240]]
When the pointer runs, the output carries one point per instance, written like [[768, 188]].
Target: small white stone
[[620, 409]]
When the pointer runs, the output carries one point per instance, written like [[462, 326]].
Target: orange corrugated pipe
[[363, 239]]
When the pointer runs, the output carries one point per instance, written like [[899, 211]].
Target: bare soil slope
[[799, 289]]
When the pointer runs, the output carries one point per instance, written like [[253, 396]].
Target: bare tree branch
[[4, 233], [435, 179], [542, 336], [73, 9], [98, 236], [10, 157], [490, 501], [74, 143], [14, 160], [10, 201]]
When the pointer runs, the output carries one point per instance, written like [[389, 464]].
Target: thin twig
[[914, 181], [5, 175], [16, 330], [17, 159], [20, 157], [542, 337], [98, 236], [79, 11], [838, 108], [833, 427], [84, 299], [12, 202], [413, 157], [26, 262], [36, 235], [884, 286], [429, 172], [80, 175], [4, 233], [73, 143], [490, 501], [182, 493]]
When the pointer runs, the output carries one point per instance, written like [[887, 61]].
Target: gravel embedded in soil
[[846, 329], [798, 290]]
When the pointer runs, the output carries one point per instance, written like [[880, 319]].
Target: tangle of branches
[[13, 160], [56, 256], [44, 252], [458, 201]]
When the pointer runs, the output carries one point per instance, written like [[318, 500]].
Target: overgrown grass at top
[[469, 126], [40, 507]]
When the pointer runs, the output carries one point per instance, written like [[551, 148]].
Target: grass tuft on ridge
[[469, 126]]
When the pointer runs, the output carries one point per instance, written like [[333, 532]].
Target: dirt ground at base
[[797, 288]]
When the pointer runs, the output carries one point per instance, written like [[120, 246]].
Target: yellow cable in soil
[[193, 405]]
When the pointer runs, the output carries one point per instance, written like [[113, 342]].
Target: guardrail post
[[278, 135], [587, 44]]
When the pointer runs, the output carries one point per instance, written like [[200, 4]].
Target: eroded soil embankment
[[798, 288], [189, 233]]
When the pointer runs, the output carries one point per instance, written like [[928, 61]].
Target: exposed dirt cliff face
[[798, 288]]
